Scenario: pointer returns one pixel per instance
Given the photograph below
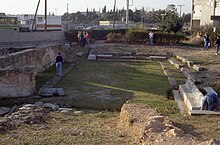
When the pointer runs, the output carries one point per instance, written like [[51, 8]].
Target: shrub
[[142, 36], [71, 35], [115, 37]]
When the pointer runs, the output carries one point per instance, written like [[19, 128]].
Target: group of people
[[83, 38], [207, 43]]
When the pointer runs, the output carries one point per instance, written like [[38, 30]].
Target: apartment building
[[205, 12]]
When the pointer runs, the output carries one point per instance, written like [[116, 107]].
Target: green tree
[[171, 21]]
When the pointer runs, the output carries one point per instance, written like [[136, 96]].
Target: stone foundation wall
[[17, 82], [18, 70]]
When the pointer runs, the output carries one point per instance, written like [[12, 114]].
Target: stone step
[[176, 64], [123, 60], [192, 102], [203, 112], [210, 90], [158, 57], [180, 102]]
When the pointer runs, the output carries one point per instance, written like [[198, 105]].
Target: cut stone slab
[[189, 99], [80, 54], [183, 59], [180, 102], [4, 110], [38, 104], [210, 90], [48, 92], [204, 112], [198, 68], [189, 75], [191, 95], [92, 57], [190, 63], [173, 83], [53, 107], [104, 56], [158, 57], [65, 110], [176, 64]]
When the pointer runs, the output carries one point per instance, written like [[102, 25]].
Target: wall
[[18, 70], [13, 36]]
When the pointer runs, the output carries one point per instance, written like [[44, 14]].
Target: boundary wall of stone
[[13, 36], [18, 70]]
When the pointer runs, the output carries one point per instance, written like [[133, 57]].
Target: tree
[[171, 21]]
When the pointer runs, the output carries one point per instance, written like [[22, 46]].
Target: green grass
[[7, 27], [108, 85]]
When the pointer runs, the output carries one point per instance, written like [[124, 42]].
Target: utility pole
[[34, 21], [67, 23], [180, 9], [114, 14], [127, 14], [45, 15]]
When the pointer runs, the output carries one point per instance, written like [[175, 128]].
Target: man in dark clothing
[[217, 44], [59, 60], [206, 41]]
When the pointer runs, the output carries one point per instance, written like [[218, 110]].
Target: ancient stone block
[[17, 82], [53, 107], [92, 57], [48, 92]]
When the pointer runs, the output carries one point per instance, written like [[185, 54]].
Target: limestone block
[[158, 57], [171, 61], [66, 46], [48, 92], [104, 55], [176, 64], [190, 63], [53, 107], [198, 68], [18, 82], [4, 110], [38, 104], [92, 57], [210, 90], [183, 59], [189, 75], [65, 110], [80, 54]]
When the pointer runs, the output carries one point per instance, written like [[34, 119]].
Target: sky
[[59, 7]]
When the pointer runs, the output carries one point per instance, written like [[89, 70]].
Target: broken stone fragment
[[4, 110], [53, 107], [48, 92]]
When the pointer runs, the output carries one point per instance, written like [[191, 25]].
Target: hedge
[[142, 36], [71, 35]]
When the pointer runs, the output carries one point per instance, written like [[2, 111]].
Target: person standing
[[59, 60], [206, 41], [151, 37], [79, 38], [88, 43], [217, 44]]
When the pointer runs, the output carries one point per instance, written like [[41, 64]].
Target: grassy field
[[108, 85]]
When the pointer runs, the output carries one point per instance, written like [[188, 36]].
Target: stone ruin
[[18, 70]]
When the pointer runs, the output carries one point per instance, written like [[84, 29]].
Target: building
[[53, 22], [205, 12]]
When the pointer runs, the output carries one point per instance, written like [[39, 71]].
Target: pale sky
[[59, 7]]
